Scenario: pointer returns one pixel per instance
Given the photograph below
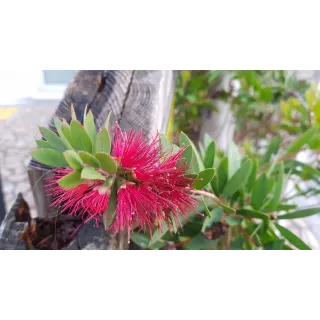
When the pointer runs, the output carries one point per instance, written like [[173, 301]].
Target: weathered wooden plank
[[2, 206], [137, 99]]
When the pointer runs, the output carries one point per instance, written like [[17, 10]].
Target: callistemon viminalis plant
[[128, 181]]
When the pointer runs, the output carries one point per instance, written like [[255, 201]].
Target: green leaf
[[238, 180], [226, 208], [273, 148], [255, 214], [89, 159], [57, 123], [274, 245], [234, 159], [65, 134], [109, 215], [302, 140], [277, 189], [106, 124], [165, 143], [198, 165], [91, 174], [53, 139], [158, 234], [209, 155], [187, 154], [300, 214], [90, 127], [80, 137], [220, 179], [107, 162], [200, 242], [103, 143], [286, 207], [231, 221], [292, 238], [49, 157], [259, 192], [73, 160], [216, 215], [140, 239], [252, 176], [205, 177], [192, 175], [71, 180], [207, 140], [73, 113], [206, 210], [44, 144]]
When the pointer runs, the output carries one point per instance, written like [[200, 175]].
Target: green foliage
[[79, 147], [245, 199]]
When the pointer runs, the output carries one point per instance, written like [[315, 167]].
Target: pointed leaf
[[292, 238], [44, 144], [53, 139], [225, 207], [273, 148], [109, 215], [196, 159], [165, 143], [57, 123], [80, 137], [300, 214], [302, 140], [209, 155], [277, 189], [73, 160], [259, 192], [206, 210], [107, 162], [90, 127], [234, 159], [187, 154], [89, 159], [204, 177], [238, 180], [103, 143], [106, 125], [255, 214], [64, 132], [73, 113], [49, 157], [220, 179], [252, 177], [91, 174], [206, 140], [71, 180]]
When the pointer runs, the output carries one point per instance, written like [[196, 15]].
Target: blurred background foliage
[[247, 192]]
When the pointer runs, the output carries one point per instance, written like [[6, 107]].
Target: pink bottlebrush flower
[[153, 186], [89, 200], [159, 192]]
